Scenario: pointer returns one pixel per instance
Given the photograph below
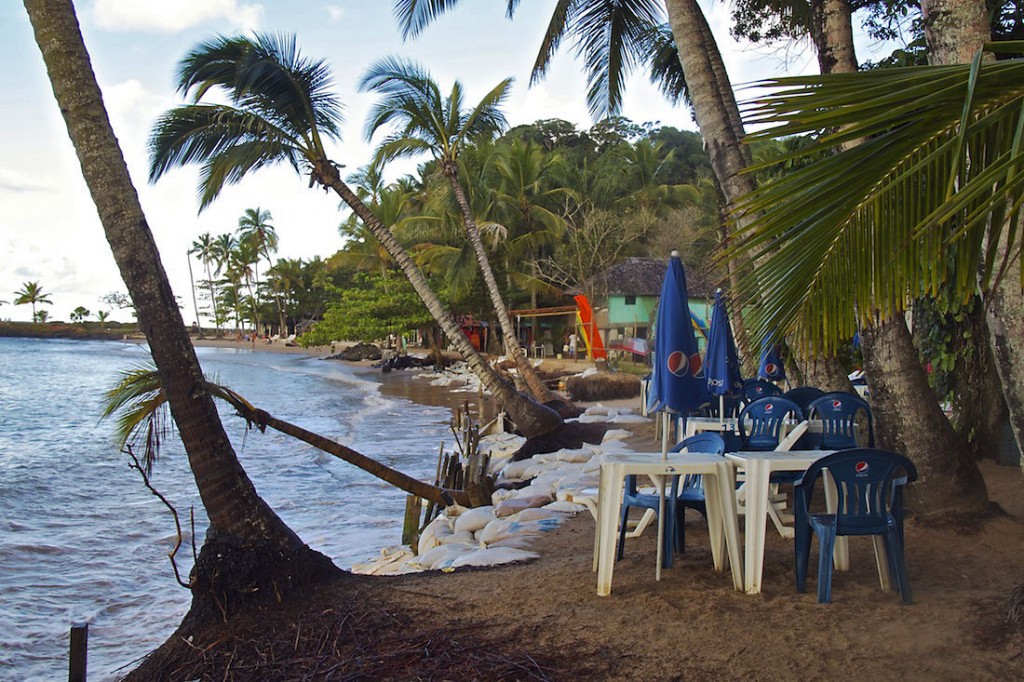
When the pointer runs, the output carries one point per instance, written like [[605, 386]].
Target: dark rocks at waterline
[[360, 351], [404, 362]]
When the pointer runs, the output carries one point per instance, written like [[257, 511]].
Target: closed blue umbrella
[[721, 363], [677, 383], [771, 366]]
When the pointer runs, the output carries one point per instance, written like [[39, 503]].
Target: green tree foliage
[[370, 311]]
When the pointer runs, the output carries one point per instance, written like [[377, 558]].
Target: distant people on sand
[[573, 340]]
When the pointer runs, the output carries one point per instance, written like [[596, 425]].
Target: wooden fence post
[[79, 652]]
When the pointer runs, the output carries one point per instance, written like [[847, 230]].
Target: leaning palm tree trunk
[[537, 387], [530, 417], [242, 525]]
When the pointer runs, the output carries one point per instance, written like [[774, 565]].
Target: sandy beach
[[544, 620]]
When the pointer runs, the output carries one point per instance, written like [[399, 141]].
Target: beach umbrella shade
[[771, 366], [721, 362], [677, 383], [633, 345]]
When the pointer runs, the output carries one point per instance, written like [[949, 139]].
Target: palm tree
[[248, 550], [281, 109], [255, 227], [428, 122], [32, 292], [79, 314], [102, 316], [205, 248]]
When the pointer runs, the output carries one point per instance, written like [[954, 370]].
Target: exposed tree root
[[570, 435]]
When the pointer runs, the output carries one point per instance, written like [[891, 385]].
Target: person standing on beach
[[572, 345]]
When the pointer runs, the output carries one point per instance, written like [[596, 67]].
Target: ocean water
[[81, 539]]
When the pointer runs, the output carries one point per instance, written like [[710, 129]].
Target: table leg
[[713, 500], [757, 513], [601, 495], [882, 562], [612, 483], [726, 480]]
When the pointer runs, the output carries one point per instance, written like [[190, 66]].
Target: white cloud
[[19, 181], [171, 16], [335, 12]]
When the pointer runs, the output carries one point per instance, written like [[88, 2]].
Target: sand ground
[[692, 625]]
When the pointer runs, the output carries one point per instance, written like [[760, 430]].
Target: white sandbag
[[500, 445], [441, 557], [499, 529], [395, 554], [493, 557], [616, 434], [516, 470], [592, 418], [629, 419], [473, 520], [598, 409], [433, 534], [575, 456], [502, 494], [566, 507], [536, 514], [516, 542], [518, 504], [464, 537], [578, 481]]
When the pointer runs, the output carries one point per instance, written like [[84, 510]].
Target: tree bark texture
[[949, 481], [832, 34], [1005, 317], [530, 417], [954, 29], [980, 409], [235, 510]]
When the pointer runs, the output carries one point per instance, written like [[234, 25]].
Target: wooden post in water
[[411, 525], [79, 652]]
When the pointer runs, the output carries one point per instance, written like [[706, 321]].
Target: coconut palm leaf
[[852, 237]]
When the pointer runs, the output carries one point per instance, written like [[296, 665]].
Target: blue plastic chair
[[760, 423], [869, 485], [803, 395], [838, 413], [753, 389], [689, 494]]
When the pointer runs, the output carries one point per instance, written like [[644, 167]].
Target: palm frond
[[855, 235], [141, 410]]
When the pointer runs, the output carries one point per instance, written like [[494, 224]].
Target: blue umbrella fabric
[[771, 366], [721, 364], [678, 383]]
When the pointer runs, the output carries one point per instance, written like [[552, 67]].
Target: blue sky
[[49, 231]]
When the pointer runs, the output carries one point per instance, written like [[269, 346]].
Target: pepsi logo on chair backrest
[[681, 365], [861, 468], [769, 407], [837, 405]]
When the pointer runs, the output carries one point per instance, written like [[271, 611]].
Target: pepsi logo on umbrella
[[682, 365]]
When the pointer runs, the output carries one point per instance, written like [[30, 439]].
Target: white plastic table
[[695, 425], [759, 467], [719, 487]]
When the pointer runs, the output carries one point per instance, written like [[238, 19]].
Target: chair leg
[[802, 554], [895, 551], [623, 518], [669, 537], [680, 534], [826, 546]]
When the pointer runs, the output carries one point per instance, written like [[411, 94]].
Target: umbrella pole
[[661, 494], [721, 409]]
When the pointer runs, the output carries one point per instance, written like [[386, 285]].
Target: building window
[[631, 300]]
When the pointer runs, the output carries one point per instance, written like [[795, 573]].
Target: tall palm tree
[[425, 121], [206, 249], [248, 549], [254, 226], [280, 108], [32, 292]]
